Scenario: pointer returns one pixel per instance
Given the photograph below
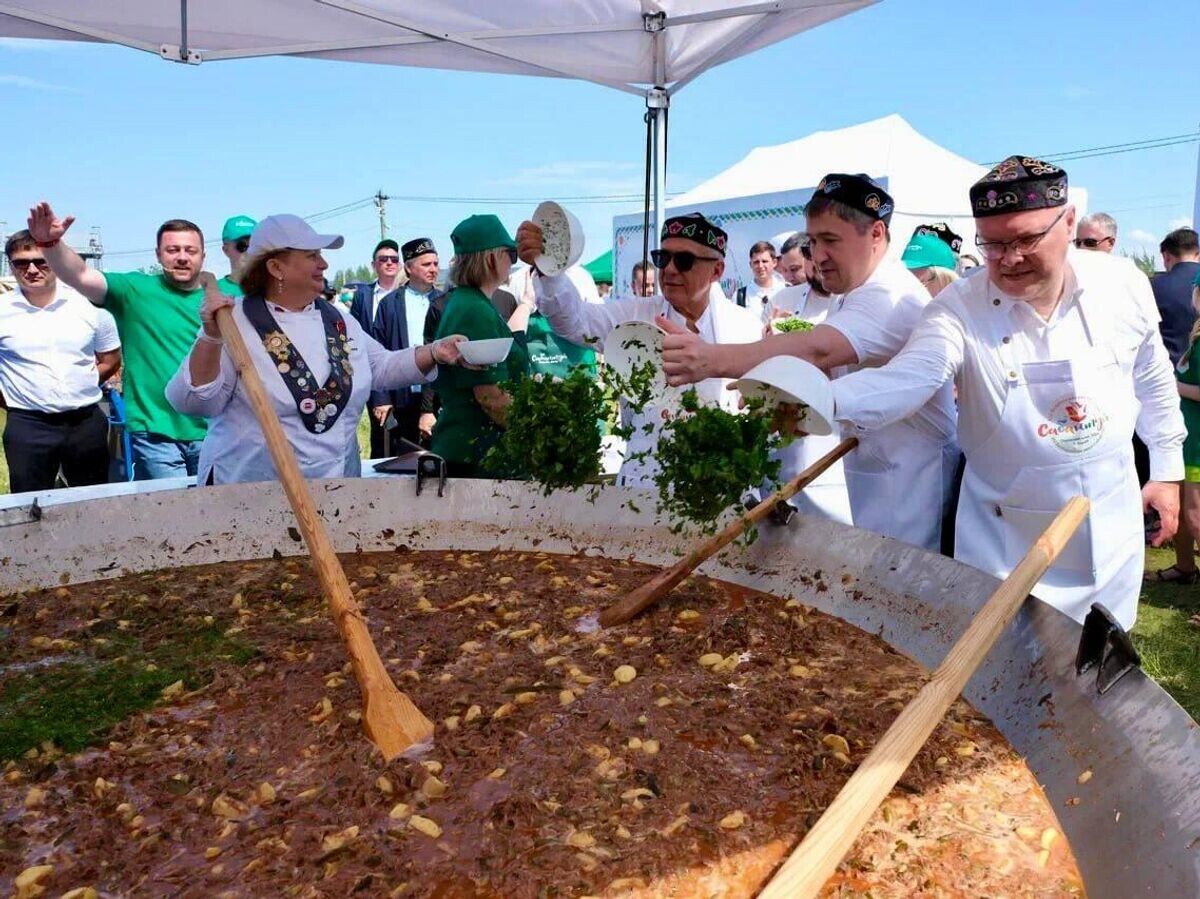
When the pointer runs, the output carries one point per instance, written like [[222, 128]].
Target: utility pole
[[381, 204]]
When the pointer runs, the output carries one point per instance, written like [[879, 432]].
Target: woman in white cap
[[317, 363]]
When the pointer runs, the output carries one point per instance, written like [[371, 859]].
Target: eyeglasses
[[22, 265], [1091, 243], [683, 259], [511, 253], [1022, 246], [242, 244], [382, 260]]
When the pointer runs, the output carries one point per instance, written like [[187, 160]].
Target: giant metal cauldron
[[1134, 827]]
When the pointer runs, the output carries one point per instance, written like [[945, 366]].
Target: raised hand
[[45, 226], [530, 242]]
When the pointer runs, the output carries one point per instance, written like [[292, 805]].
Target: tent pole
[[657, 102]]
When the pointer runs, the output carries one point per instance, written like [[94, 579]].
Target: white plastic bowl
[[563, 237], [486, 352], [635, 343], [786, 379]]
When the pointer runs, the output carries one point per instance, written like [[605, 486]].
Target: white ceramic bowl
[[786, 379], [486, 352], [634, 343], [563, 237]]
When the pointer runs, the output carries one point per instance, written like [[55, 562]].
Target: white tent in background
[[650, 48], [928, 182]]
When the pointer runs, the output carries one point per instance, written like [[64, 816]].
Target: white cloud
[[1184, 221], [1141, 238], [32, 84], [582, 176], [21, 43]]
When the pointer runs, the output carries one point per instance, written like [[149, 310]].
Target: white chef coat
[[899, 477], [587, 324], [235, 450], [826, 496], [48, 354], [1102, 341]]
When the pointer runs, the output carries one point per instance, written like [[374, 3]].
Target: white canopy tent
[[928, 182], [651, 48]]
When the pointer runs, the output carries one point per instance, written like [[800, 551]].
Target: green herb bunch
[[552, 435], [709, 457], [784, 325]]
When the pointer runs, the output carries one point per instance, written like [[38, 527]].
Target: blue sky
[[123, 140]]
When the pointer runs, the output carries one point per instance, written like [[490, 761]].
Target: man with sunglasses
[[385, 260], [1097, 232], [159, 316], [235, 240], [1057, 359], [691, 260], [400, 323], [56, 349], [898, 479]]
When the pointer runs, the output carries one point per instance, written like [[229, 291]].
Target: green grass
[[1168, 644], [76, 704]]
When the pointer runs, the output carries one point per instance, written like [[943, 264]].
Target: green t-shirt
[[227, 286], [158, 325], [552, 355], [1188, 372], [464, 432]]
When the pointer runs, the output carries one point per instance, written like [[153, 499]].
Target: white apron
[[722, 322], [826, 496], [1066, 429]]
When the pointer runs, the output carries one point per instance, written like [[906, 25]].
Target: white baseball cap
[[286, 232]]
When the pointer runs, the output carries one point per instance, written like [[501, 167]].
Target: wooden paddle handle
[[664, 582], [818, 855], [368, 668]]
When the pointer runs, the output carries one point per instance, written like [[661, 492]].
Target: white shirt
[[378, 292], [758, 299], [801, 301], [949, 343], [876, 319], [48, 354], [234, 449]]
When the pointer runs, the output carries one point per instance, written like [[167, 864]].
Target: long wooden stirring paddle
[[665, 581], [390, 719], [822, 849]]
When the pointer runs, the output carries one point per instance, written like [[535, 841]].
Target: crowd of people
[[1048, 365]]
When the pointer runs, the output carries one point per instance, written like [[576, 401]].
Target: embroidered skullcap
[[942, 232], [859, 192], [694, 226], [1017, 184], [417, 247]]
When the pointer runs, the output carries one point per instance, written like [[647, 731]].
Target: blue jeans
[[156, 456]]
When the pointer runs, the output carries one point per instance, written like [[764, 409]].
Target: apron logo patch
[[1075, 426]]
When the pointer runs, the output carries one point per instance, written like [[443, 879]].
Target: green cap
[[924, 250], [479, 233], [238, 226]]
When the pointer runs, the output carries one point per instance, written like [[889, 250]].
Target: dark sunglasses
[[683, 259], [512, 254], [242, 244], [23, 264], [1090, 242], [387, 258]]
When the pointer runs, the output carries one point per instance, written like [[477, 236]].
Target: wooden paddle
[[665, 581], [822, 849], [390, 719]]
